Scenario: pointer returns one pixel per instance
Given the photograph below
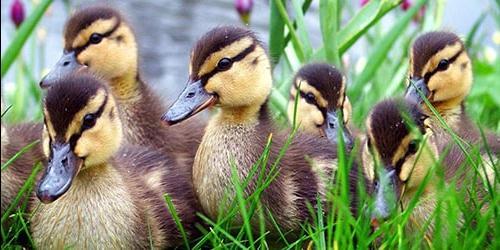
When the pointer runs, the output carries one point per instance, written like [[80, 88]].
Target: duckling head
[[321, 101], [397, 131], [229, 68], [98, 39], [440, 69], [82, 129]]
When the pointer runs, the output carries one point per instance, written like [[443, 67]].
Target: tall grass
[[343, 24]]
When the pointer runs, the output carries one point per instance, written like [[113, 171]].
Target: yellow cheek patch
[[229, 51], [92, 106], [100, 26], [448, 52], [305, 87]]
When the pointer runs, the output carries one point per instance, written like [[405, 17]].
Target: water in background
[[166, 30]]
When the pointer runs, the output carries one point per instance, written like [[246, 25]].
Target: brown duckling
[[322, 98], [402, 142], [98, 192], [442, 70], [98, 39], [14, 138], [229, 69]]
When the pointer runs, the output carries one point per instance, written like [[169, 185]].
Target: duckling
[[321, 97], [442, 70], [98, 39], [405, 155], [14, 138], [96, 191], [229, 69]]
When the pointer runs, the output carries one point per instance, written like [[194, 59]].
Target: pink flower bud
[[17, 12], [363, 2], [244, 7], [405, 5]]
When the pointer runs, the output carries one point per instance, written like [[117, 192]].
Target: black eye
[[310, 98], [88, 121], [95, 38], [224, 64], [413, 146], [443, 65]]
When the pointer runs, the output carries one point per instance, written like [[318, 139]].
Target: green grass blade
[[297, 44], [328, 10], [22, 35], [382, 48], [175, 216], [276, 33], [19, 154]]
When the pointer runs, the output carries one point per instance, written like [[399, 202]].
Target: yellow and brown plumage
[[97, 190], [400, 149], [229, 69], [441, 70], [321, 92], [99, 40]]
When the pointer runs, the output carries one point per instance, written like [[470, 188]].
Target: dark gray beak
[[192, 100], [417, 85], [66, 65], [62, 168], [332, 127], [387, 192]]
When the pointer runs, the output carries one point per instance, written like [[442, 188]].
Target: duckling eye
[[89, 121], [95, 38], [443, 65], [310, 98], [224, 64], [413, 147]]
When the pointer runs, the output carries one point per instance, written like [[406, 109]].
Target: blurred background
[[166, 30]]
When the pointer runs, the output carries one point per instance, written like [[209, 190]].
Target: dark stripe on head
[[74, 138], [428, 45], [324, 78], [67, 96], [428, 75], [239, 57], [215, 40], [84, 18], [388, 126]]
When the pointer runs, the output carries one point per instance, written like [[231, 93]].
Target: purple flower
[[244, 7], [17, 12]]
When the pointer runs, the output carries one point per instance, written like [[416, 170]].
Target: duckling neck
[[452, 114], [239, 115], [232, 139], [94, 193], [127, 87]]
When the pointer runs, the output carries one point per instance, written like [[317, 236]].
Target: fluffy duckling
[[97, 192], [321, 98], [14, 138], [405, 155], [99, 39], [229, 69], [442, 70]]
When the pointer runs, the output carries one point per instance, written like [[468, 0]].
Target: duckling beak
[[192, 100], [386, 193], [331, 128], [62, 168], [66, 65], [412, 92]]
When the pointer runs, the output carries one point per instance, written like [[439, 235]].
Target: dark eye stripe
[[204, 78], [78, 50], [428, 75], [74, 138]]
